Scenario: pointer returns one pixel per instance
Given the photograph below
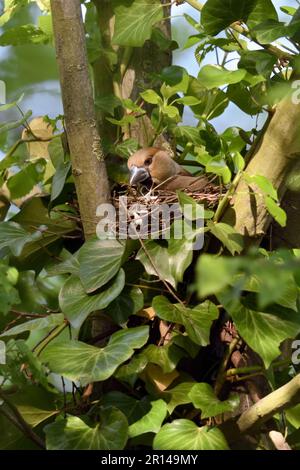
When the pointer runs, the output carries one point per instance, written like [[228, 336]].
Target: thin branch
[[17, 419]]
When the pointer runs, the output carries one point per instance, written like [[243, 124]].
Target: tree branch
[[274, 159], [87, 157]]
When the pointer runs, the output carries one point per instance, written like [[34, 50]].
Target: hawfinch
[[157, 166]]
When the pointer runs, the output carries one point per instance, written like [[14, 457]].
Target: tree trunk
[[276, 156], [87, 157]]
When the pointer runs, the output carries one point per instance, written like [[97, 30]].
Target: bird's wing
[[190, 183]]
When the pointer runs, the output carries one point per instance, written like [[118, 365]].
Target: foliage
[[159, 303]]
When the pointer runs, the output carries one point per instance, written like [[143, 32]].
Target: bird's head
[[151, 163]]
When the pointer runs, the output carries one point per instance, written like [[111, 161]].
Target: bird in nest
[[155, 166]]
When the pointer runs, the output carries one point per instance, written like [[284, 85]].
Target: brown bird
[[156, 165]]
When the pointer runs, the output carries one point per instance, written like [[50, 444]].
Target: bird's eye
[[148, 161]]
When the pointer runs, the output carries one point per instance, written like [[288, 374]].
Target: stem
[[221, 377], [245, 32], [18, 420], [53, 334]]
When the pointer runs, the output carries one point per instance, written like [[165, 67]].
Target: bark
[[275, 158], [88, 165], [252, 420]]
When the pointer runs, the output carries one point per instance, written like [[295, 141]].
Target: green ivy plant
[[151, 377]]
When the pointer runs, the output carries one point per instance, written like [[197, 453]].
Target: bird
[[156, 165]]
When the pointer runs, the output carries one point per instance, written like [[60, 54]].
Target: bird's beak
[[138, 174]]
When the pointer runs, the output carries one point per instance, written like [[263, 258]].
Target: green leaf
[[185, 200], [176, 79], [276, 212], [219, 167], [25, 34], [263, 10], [74, 433], [230, 238], [59, 179], [203, 398], [288, 10], [264, 184], [152, 421], [257, 62], [217, 15], [132, 408], [99, 260], [150, 96], [77, 304], [50, 321], [178, 395], [35, 404], [170, 263], [15, 237], [134, 21], [293, 416], [10, 8], [213, 273], [8, 126], [129, 302], [270, 30], [183, 434], [79, 361], [263, 332], [214, 76], [6, 107], [22, 183], [166, 357], [197, 321]]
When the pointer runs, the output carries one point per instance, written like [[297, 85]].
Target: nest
[[146, 212]]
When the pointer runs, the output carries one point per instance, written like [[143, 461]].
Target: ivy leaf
[[197, 321], [74, 433], [214, 273], [25, 34], [150, 96], [59, 179], [217, 15], [270, 30], [99, 260], [171, 262], [183, 434], [129, 302], [15, 237], [152, 421], [134, 21], [203, 398], [50, 321], [166, 357], [77, 304], [22, 183], [263, 332], [8, 126], [132, 408], [230, 238], [178, 395], [276, 212], [263, 10], [213, 76], [264, 184], [79, 361], [6, 107]]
